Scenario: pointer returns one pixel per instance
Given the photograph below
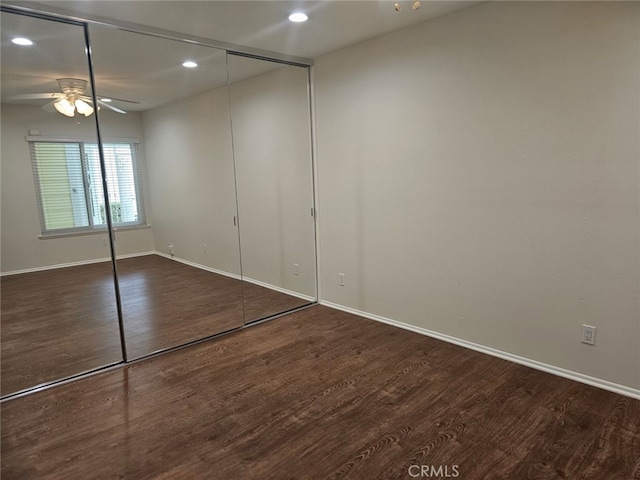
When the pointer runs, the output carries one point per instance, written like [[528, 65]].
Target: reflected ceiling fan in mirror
[[71, 98]]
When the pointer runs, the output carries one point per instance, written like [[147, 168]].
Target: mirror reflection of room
[[272, 152], [58, 305], [210, 196], [211, 205], [179, 267]]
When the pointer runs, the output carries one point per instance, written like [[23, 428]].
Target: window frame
[[88, 200]]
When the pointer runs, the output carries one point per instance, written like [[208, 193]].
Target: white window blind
[[69, 187]]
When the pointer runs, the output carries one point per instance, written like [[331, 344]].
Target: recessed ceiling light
[[298, 17], [190, 64], [105, 100], [22, 41]]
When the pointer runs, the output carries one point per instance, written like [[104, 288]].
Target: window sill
[[102, 231]]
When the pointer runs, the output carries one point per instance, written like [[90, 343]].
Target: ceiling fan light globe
[[65, 107], [83, 108]]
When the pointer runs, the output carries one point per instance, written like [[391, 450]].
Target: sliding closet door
[[167, 136], [58, 307], [272, 151]]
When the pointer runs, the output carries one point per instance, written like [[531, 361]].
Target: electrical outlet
[[296, 269], [341, 279], [105, 242], [589, 334], [204, 248], [171, 252]]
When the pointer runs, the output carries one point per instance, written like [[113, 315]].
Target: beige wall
[[20, 228], [478, 177]]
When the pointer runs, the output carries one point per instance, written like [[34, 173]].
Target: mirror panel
[[58, 307], [178, 256], [274, 178]]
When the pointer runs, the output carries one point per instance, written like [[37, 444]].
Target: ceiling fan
[[71, 98]]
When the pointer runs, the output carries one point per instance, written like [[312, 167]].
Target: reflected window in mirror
[[69, 188]]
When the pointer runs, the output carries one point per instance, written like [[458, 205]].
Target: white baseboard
[[561, 372], [280, 289], [238, 277], [74, 264], [198, 265]]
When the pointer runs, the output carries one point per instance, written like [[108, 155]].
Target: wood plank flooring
[[321, 394], [61, 322]]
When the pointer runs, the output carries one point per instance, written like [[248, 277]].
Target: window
[[69, 186]]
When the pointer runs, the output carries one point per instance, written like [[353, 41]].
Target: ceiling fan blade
[[110, 107], [36, 96], [100, 97], [119, 99], [49, 107]]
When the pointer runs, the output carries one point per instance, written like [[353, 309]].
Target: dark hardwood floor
[[62, 322], [321, 394]]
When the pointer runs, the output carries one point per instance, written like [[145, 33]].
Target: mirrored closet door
[[58, 306], [274, 177], [199, 159], [166, 131]]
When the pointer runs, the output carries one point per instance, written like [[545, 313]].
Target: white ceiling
[[147, 69]]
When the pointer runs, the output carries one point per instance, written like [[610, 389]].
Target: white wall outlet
[[171, 252], [105, 242], [341, 279], [589, 334], [204, 248], [296, 269]]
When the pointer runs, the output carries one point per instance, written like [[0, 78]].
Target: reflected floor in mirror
[[167, 303], [62, 322], [259, 303], [57, 323]]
